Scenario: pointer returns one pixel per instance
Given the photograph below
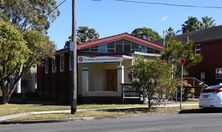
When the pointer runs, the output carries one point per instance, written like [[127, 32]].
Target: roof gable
[[118, 37]]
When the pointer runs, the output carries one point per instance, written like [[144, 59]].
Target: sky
[[110, 17]]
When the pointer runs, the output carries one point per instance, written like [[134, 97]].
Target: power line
[[170, 4]]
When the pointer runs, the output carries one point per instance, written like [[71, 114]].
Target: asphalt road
[[194, 122]]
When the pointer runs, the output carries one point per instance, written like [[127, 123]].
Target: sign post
[[182, 62]]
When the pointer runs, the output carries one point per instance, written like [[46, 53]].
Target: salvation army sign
[[88, 59]]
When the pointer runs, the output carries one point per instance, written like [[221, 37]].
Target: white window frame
[[114, 47], [62, 64], [46, 66], [54, 68], [133, 49], [197, 49], [218, 71], [70, 62], [99, 48]]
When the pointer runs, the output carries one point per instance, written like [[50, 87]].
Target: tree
[[151, 77], [18, 53], [86, 34], [175, 51], [207, 22], [190, 25], [170, 32], [32, 18], [29, 14], [146, 33], [13, 54]]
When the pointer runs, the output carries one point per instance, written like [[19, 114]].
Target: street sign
[[182, 60], [71, 46]]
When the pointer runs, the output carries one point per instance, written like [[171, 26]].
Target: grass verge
[[8, 109], [105, 113]]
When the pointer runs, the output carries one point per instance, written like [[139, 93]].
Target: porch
[[101, 78]]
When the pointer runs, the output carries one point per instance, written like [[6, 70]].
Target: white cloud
[[163, 19]]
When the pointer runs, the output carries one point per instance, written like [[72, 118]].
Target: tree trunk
[[5, 92], [4, 96], [149, 103]]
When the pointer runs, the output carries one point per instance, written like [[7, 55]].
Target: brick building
[[103, 67], [208, 43]]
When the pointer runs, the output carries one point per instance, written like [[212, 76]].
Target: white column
[[120, 78], [85, 80]]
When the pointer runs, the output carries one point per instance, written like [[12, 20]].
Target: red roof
[[118, 37]]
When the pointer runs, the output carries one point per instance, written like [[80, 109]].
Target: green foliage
[[18, 53], [207, 22], [175, 51], [40, 45], [13, 49], [86, 34], [14, 53], [170, 33], [37, 14], [193, 24], [22, 48], [146, 33], [152, 77], [190, 25]]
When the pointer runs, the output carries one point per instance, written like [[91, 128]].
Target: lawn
[[106, 113], [21, 108]]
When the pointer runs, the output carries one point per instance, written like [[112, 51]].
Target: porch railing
[[129, 92]]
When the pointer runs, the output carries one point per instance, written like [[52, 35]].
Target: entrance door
[[111, 80]]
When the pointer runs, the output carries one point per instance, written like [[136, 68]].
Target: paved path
[[8, 117], [207, 122]]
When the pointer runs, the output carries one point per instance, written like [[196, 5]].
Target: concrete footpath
[[14, 116]]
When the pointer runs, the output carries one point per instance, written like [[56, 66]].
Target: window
[[61, 63], [202, 76], [111, 47], [127, 46], [85, 50], [149, 50], [70, 62], [218, 73], [157, 52], [119, 46], [46, 66], [94, 49], [197, 49], [134, 47], [142, 49], [102, 48], [54, 66]]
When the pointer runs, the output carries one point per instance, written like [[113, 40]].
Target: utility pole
[[182, 61], [181, 87], [73, 52]]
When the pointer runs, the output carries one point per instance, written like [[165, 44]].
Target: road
[[195, 122]]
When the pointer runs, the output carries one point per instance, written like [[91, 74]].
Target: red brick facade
[[55, 85], [211, 52]]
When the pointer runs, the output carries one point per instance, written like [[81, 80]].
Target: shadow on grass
[[133, 110], [207, 111], [33, 98]]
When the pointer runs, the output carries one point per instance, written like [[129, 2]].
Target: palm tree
[[190, 25], [207, 22]]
